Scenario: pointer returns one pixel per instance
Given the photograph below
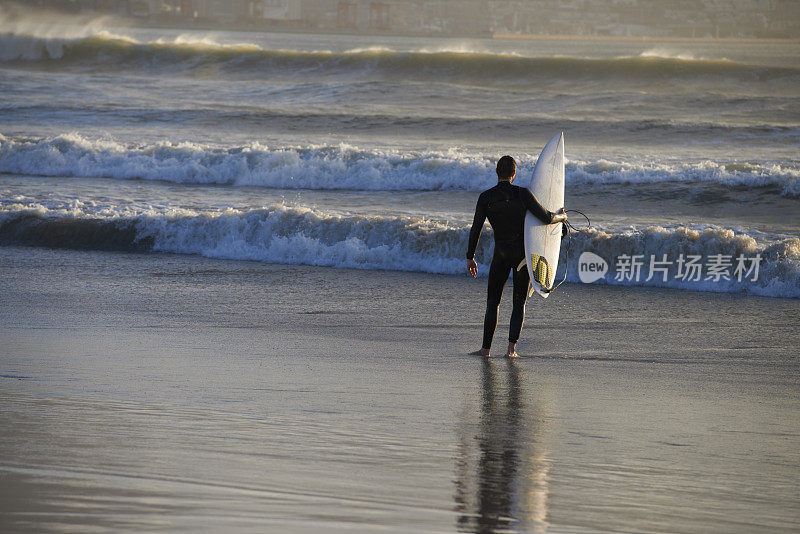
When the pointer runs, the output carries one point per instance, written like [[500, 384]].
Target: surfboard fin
[[521, 265]]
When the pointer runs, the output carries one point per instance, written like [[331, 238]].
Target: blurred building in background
[[622, 18]]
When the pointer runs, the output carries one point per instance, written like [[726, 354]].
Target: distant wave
[[103, 50], [732, 174], [346, 167], [299, 235], [671, 54], [418, 122]]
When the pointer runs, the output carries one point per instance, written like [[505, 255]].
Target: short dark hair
[[506, 167]]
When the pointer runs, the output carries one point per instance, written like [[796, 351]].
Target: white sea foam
[[345, 166], [663, 53], [731, 174], [302, 235]]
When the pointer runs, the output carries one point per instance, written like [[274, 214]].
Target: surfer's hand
[[560, 216], [472, 268]]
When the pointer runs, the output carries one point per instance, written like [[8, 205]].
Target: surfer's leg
[[521, 282], [498, 274]]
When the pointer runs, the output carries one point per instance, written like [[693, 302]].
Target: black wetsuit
[[505, 205]]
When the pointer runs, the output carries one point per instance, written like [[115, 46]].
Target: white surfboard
[[543, 242]]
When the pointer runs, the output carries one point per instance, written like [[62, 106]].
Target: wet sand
[[164, 393]]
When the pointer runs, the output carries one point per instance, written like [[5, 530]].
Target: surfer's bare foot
[[512, 351], [482, 352]]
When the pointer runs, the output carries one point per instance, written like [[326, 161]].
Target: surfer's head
[[506, 168]]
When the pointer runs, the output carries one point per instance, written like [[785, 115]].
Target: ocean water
[[369, 152]]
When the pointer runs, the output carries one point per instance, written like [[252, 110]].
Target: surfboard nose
[[558, 141], [559, 138]]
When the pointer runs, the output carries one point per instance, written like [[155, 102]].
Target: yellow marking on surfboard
[[542, 272]]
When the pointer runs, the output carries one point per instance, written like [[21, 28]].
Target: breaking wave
[[300, 235], [103, 50], [348, 167], [777, 275]]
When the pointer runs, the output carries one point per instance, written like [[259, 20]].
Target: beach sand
[[182, 393]]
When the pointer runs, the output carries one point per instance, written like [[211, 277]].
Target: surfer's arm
[[533, 205], [477, 227]]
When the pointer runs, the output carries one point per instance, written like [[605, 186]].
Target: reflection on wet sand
[[501, 469]]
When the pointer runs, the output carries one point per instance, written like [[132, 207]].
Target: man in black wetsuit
[[505, 205]]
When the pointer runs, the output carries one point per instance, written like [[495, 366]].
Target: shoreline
[[642, 39], [300, 28], [500, 36]]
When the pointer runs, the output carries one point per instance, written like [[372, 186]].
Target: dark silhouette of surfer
[[505, 205]]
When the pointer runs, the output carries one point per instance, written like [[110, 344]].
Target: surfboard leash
[[570, 229]]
